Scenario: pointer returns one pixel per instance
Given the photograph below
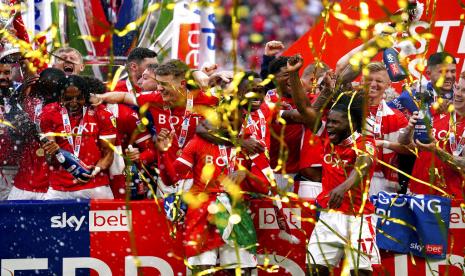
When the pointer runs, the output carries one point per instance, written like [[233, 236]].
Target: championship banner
[[417, 224], [93, 238], [338, 38]]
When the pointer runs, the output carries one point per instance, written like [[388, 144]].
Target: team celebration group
[[208, 141]]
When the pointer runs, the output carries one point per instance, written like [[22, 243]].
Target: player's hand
[[220, 78], [238, 176], [329, 80], [95, 99], [413, 120], [252, 146], [431, 147], [51, 147], [30, 81], [210, 69], [133, 154], [87, 177], [294, 63], [336, 196], [442, 105], [272, 48], [164, 140]]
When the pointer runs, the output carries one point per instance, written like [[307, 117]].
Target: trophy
[[423, 99], [8, 52]]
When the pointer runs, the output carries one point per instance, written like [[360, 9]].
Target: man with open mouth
[[348, 164], [69, 60], [441, 71]]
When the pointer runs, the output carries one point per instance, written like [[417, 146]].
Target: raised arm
[[303, 104], [114, 97], [344, 70]]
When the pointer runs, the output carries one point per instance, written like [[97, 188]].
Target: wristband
[[96, 171], [386, 144]]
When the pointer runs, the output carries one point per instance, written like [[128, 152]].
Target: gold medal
[[40, 152], [179, 152]]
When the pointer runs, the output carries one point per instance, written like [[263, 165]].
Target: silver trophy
[[9, 53]]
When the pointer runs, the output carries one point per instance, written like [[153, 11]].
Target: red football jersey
[[391, 122], [97, 125], [125, 85], [199, 153], [429, 167], [292, 134], [127, 122], [33, 170], [338, 163], [172, 118], [312, 150], [257, 126]]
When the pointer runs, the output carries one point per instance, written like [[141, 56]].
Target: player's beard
[[5, 91]]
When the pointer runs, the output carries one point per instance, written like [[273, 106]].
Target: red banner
[[442, 15]]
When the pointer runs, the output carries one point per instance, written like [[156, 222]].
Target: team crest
[[370, 149]]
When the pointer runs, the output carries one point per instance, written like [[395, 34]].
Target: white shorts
[[227, 257], [282, 180], [102, 192], [379, 183], [327, 249], [118, 165], [7, 174], [309, 189], [18, 194]]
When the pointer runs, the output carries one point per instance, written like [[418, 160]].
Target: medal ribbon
[[185, 120], [378, 120], [224, 155], [253, 127], [75, 145]]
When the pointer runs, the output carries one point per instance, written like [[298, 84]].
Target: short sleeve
[[107, 129], [188, 153], [149, 98]]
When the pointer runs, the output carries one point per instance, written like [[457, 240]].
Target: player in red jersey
[[173, 107], [130, 131], [284, 156], [384, 124], [32, 179], [348, 165], [138, 60], [148, 81], [69, 60], [441, 162], [88, 133], [205, 242]]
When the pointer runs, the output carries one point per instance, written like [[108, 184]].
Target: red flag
[[447, 28]]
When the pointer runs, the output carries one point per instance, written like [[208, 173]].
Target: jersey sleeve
[[47, 124], [188, 153], [401, 120], [183, 165], [149, 98], [257, 181], [107, 128]]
